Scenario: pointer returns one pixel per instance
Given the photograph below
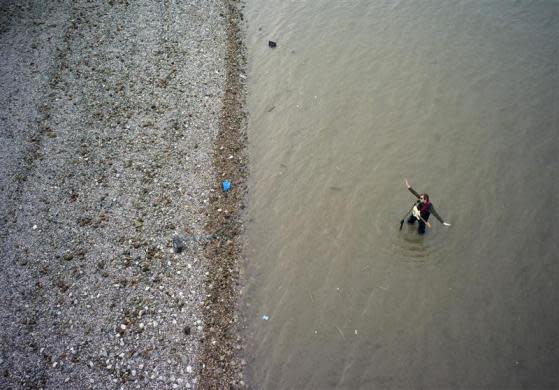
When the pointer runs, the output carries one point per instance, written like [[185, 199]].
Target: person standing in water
[[422, 210]]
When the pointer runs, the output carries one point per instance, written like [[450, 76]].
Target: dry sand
[[119, 121]]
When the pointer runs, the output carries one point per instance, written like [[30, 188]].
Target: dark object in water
[[272, 44]]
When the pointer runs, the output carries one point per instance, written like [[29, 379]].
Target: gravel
[[118, 121]]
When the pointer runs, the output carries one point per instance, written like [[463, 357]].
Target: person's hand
[[446, 224], [407, 184]]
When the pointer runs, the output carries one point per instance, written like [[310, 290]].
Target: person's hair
[[426, 197]]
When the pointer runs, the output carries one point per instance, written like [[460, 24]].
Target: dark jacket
[[425, 213]]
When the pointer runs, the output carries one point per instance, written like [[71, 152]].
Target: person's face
[[422, 199]]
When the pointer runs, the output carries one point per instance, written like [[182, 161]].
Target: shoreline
[[222, 367], [120, 265]]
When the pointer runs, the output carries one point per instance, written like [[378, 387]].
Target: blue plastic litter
[[226, 185]]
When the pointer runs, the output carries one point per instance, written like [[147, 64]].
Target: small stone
[[178, 244], [139, 223], [187, 330], [189, 369], [123, 327]]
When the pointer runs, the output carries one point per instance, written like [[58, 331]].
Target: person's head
[[424, 198]]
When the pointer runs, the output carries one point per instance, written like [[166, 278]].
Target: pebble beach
[[120, 250]]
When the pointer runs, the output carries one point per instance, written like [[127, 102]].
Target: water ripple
[[406, 245]]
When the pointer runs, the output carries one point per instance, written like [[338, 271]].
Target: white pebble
[[189, 369]]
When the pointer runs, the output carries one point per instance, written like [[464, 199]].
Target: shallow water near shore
[[462, 99]]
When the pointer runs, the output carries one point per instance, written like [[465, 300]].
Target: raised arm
[[411, 189]]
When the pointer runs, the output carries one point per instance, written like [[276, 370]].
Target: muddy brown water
[[461, 98]]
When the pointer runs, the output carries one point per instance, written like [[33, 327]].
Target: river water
[[461, 98]]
